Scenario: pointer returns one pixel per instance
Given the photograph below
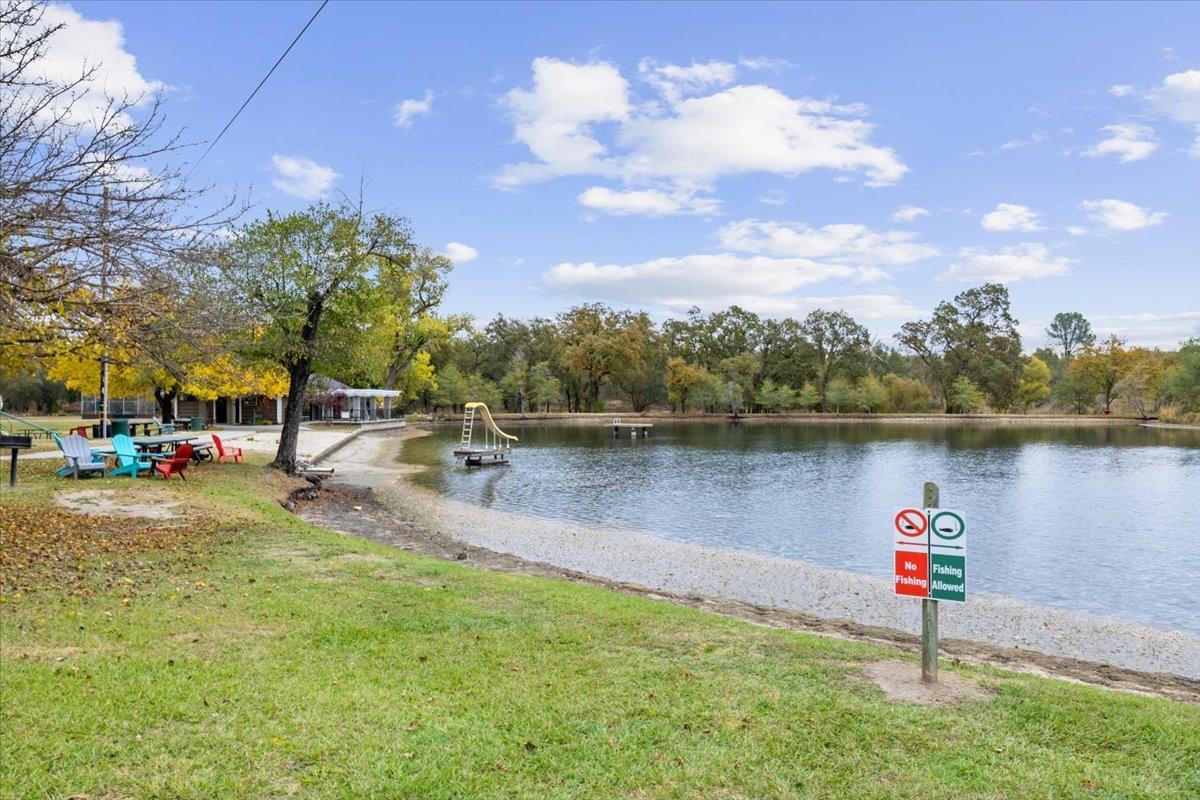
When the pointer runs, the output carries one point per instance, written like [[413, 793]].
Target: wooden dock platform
[[490, 455], [634, 428]]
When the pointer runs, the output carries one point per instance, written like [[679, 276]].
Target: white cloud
[[1119, 215], [859, 306], [770, 64], [1164, 330], [1010, 217], [1077, 230], [849, 244], [406, 111], [674, 81], [83, 44], [909, 213], [775, 197], [460, 253], [1178, 97], [688, 142], [1120, 90], [690, 280], [648, 202], [1127, 141], [746, 129], [555, 118], [1006, 265], [302, 177], [1037, 137]]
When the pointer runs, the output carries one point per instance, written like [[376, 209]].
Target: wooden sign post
[[929, 545], [929, 612]]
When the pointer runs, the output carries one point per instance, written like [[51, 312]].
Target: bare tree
[[95, 212]]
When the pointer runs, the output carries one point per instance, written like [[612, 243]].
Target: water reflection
[[1105, 520]]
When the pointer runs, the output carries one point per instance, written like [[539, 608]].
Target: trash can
[[196, 423], [120, 426]]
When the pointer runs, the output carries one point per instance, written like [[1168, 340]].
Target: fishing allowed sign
[[931, 553]]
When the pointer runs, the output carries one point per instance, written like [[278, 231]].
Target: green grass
[[287, 660]]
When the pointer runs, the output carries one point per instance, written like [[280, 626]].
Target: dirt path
[[355, 511]]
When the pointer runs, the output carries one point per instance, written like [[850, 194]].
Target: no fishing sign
[[931, 553]]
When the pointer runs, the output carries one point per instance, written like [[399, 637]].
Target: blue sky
[[873, 157]]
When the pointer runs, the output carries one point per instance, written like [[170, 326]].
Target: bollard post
[[929, 612]]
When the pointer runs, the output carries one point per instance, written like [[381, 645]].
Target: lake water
[[1096, 519]]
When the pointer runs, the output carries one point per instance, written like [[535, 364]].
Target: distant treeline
[[966, 357]]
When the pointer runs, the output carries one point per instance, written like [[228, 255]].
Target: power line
[[260, 85]]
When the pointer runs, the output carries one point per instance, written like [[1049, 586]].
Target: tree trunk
[[165, 403], [285, 456]]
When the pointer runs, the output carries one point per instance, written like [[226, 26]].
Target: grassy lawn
[[248, 654]]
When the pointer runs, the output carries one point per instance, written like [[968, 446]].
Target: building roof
[[337, 387]]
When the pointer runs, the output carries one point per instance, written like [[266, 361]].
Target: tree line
[[966, 357]]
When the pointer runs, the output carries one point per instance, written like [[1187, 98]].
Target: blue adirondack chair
[[129, 462], [80, 458]]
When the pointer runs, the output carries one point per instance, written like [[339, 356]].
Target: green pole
[[929, 610]]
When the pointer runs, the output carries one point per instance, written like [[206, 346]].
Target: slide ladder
[[496, 443], [467, 428]]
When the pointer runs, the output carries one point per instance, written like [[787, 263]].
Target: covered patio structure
[[337, 402]]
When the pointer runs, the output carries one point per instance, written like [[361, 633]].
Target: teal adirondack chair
[[73, 462], [129, 462]]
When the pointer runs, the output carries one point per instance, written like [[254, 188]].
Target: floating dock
[[634, 428]]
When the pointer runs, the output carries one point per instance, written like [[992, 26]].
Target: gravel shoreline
[[679, 568]]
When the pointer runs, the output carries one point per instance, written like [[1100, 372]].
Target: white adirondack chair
[[79, 457]]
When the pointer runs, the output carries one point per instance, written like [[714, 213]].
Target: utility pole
[[104, 314]]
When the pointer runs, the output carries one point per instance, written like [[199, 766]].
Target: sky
[[876, 158]]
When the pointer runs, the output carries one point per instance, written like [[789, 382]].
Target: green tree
[[809, 396], [975, 336], [741, 370], [836, 341], [906, 394], [1181, 379], [1071, 331], [598, 343], [1035, 383], [1141, 385], [839, 393], [682, 380], [965, 396], [869, 394], [515, 385], [451, 391], [710, 392], [1073, 391], [773, 396], [411, 287], [732, 397], [642, 377], [481, 390], [544, 388], [307, 286], [1101, 367]]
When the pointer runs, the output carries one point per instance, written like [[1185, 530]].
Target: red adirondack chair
[[175, 464], [224, 452]]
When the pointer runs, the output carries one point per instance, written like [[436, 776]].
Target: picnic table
[[157, 444]]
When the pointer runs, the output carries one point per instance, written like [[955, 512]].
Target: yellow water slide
[[487, 419]]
